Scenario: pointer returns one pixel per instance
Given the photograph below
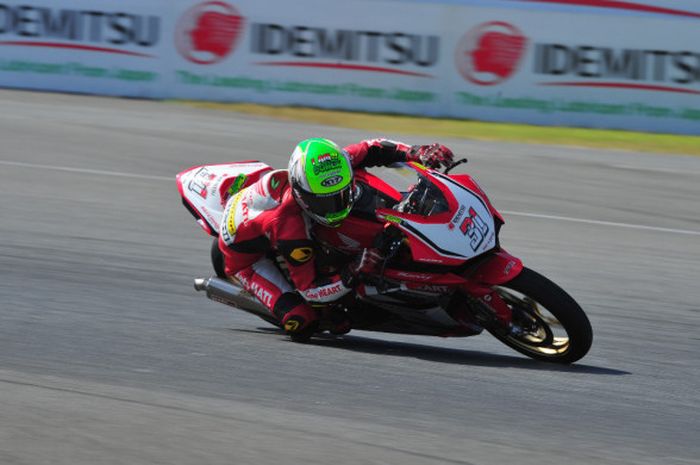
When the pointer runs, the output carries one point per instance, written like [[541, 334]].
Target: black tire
[[538, 340], [217, 259]]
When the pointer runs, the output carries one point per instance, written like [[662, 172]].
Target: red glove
[[367, 264], [433, 156], [369, 261]]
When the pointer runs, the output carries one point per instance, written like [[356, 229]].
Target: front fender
[[500, 268]]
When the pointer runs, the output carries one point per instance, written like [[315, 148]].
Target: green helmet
[[322, 180]]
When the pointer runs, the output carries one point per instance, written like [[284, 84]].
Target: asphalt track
[[108, 356]]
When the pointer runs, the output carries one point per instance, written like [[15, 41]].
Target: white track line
[[87, 171], [603, 223], [505, 212]]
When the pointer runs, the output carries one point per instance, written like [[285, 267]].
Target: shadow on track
[[442, 354]]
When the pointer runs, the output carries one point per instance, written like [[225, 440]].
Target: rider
[[277, 211]]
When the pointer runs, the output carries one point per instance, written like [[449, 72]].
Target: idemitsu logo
[[207, 33], [92, 30], [490, 53]]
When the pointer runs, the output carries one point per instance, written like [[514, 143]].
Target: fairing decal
[[469, 230], [201, 188]]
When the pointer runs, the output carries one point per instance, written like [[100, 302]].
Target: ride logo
[[490, 53], [495, 51], [93, 30], [208, 32], [633, 68], [346, 48]]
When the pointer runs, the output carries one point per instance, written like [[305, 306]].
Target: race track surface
[[108, 356]]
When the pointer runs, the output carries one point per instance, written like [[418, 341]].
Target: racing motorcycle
[[444, 271]]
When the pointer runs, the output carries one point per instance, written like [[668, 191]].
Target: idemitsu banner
[[584, 63]]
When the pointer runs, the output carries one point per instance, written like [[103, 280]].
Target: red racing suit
[[265, 217]]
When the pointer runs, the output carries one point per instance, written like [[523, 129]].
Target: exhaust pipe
[[226, 292]]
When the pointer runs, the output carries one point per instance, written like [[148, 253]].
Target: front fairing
[[448, 230]]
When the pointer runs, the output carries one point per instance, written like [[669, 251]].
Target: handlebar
[[454, 165]]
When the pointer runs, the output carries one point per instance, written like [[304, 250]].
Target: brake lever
[[457, 163]]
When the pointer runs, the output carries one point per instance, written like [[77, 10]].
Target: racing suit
[[265, 217]]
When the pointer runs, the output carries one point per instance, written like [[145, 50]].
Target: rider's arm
[[384, 152], [377, 152]]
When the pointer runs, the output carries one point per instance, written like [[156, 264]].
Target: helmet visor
[[329, 208]]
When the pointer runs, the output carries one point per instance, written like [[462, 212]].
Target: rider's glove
[[433, 155], [367, 264], [369, 261]]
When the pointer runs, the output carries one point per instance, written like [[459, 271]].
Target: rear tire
[[217, 259], [540, 310]]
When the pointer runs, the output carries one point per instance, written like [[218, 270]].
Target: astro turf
[[401, 124]]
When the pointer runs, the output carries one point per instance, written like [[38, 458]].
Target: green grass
[[383, 123]]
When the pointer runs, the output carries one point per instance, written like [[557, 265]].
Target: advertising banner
[[359, 55], [106, 47], [568, 62]]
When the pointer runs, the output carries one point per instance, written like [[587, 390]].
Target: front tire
[[548, 324]]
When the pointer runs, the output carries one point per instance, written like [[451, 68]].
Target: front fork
[[485, 302]]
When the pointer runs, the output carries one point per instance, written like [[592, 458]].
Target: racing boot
[[300, 323]]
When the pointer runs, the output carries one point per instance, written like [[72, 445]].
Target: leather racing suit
[[265, 217]]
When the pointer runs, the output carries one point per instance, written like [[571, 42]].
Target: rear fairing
[[206, 188]]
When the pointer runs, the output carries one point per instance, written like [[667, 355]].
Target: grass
[[383, 123]]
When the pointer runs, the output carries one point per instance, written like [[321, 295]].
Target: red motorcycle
[[444, 273]]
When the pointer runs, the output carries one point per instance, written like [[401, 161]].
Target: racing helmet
[[322, 181]]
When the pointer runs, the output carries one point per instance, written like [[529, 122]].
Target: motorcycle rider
[[276, 214]]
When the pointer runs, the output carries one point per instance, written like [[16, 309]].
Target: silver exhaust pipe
[[226, 292]]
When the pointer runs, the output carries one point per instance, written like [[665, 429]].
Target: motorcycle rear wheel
[[548, 324]]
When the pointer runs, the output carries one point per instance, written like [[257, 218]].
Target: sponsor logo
[[92, 30], [459, 214], [418, 276], [292, 325], [432, 288], [261, 294], [208, 32], [274, 183], [357, 50], [325, 163], [493, 52], [393, 219], [332, 181], [608, 67], [211, 219], [230, 213], [490, 53], [237, 184], [302, 254], [326, 293]]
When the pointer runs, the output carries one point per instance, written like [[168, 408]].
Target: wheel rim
[[534, 329]]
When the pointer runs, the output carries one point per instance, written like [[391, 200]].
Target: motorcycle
[[444, 271]]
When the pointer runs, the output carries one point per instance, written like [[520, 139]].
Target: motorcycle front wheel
[[547, 322]]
